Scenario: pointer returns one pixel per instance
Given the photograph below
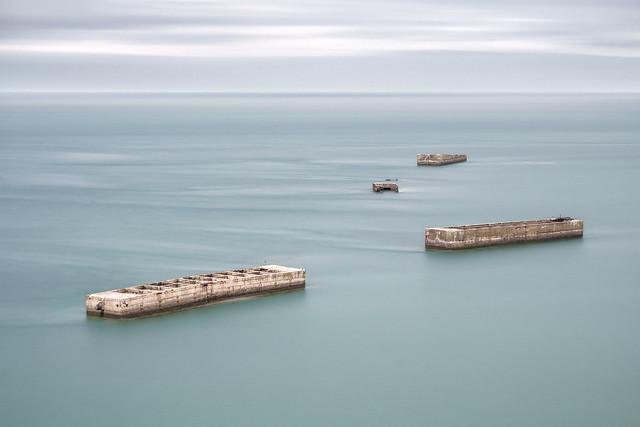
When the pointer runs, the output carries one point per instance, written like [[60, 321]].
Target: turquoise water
[[101, 191]]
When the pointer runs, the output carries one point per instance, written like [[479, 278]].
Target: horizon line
[[312, 92]]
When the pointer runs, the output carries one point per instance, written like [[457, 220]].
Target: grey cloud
[[30, 19], [239, 32]]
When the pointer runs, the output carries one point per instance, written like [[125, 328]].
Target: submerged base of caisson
[[194, 291], [501, 233]]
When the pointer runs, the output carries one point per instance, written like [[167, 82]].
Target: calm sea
[[101, 191]]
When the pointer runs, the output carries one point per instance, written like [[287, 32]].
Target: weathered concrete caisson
[[440, 159], [194, 291], [385, 186], [501, 233]]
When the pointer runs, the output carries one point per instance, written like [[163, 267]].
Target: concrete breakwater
[[501, 233], [193, 291], [385, 186], [440, 159]]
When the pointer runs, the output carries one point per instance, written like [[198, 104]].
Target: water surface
[[101, 191]]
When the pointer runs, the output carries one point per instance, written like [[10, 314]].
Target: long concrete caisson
[[194, 291], [501, 233]]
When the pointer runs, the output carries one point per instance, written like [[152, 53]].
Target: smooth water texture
[[101, 191]]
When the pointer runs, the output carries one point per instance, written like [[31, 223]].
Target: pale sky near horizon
[[310, 45]]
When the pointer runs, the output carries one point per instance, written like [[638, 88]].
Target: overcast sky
[[309, 45]]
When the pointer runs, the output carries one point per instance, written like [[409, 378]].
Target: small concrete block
[[385, 186]]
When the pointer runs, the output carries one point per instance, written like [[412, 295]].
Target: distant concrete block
[[385, 186], [440, 159]]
